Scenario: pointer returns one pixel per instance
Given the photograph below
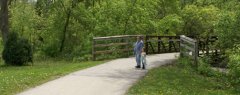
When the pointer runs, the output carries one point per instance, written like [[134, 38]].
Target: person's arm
[[134, 48], [142, 45]]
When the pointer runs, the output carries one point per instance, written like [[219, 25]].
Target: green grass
[[173, 80], [17, 79]]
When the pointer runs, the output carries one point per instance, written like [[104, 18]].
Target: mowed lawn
[[173, 80], [17, 79]]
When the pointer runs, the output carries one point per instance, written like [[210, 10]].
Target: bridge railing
[[122, 44], [162, 44], [189, 48]]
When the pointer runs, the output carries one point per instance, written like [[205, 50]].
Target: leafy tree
[[170, 25], [25, 20], [199, 21], [228, 30]]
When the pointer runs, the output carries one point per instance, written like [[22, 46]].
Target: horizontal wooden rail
[[124, 44], [111, 44], [187, 47], [162, 40], [185, 38], [188, 40], [111, 51], [115, 37], [152, 36]]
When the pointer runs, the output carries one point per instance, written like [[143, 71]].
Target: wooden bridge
[[123, 45]]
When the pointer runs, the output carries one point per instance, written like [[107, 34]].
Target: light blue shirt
[[138, 47]]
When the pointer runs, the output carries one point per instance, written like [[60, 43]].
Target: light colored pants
[[138, 59], [143, 60]]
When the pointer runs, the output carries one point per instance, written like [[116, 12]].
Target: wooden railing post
[[128, 46], [180, 46], [146, 44], [93, 50], [159, 44], [169, 44], [196, 53]]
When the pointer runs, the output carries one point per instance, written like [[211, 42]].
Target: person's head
[[139, 38], [143, 49]]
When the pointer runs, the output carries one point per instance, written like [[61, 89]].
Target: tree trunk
[[69, 12], [4, 24], [65, 30]]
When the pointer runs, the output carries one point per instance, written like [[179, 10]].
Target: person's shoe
[[143, 67], [137, 66]]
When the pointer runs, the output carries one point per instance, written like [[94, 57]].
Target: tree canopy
[[66, 27]]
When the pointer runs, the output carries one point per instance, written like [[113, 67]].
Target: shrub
[[204, 67], [234, 65], [17, 51], [184, 62]]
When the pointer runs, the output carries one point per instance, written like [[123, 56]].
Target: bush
[[234, 65], [184, 62], [204, 67], [17, 51]]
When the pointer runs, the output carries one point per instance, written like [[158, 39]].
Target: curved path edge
[[111, 78]]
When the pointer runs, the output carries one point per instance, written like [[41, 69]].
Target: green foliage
[[204, 67], [45, 24], [170, 25], [168, 7], [228, 28], [184, 62], [174, 80], [117, 17], [17, 51], [199, 21], [26, 22], [234, 65]]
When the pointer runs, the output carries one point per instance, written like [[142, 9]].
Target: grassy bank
[[17, 79], [174, 80]]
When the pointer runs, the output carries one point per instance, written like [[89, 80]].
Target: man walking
[[138, 50]]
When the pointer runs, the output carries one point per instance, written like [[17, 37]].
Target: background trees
[[65, 27]]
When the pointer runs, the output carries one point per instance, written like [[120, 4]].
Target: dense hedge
[[17, 51]]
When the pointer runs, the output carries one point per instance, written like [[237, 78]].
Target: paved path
[[112, 78]]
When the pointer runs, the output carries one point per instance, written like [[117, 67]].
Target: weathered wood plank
[[187, 47], [187, 41], [182, 37], [115, 37], [125, 40], [189, 44], [152, 36], [109, 37], [111, 51], [111, 44], [173, 40]]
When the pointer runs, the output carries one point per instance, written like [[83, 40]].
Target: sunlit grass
[[16, 79], [174, 80]]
